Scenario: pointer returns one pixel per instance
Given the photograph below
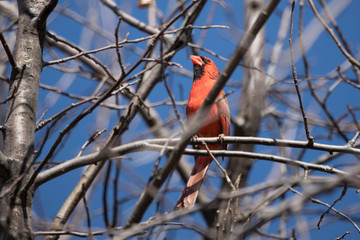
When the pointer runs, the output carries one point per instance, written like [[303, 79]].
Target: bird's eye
[[205, 60]]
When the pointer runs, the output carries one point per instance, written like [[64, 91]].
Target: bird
[[216, 124]]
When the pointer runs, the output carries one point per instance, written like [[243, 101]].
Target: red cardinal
[[217, 122]]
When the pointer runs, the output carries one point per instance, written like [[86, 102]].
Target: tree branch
[[7, 50], [351, 59]]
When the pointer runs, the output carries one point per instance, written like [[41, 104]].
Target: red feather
[[217, 122]]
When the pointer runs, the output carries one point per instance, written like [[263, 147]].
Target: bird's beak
[[196, 60]]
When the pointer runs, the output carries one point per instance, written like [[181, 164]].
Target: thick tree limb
[[19, 127]]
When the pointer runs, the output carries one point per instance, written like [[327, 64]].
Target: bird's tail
[[188, 196]]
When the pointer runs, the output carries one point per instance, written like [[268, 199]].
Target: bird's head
[[204, 67]]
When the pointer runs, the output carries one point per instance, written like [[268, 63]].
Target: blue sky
[[323, 58]]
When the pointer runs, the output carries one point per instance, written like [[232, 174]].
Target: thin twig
[[351, 59], [82, 53], [317, 201], [11, 24], [353, 140], [7, 50], [115, 189], [87, 215], [342, 236], [307, 132], [311, 87], [209, 19], [117, 46], [155, 169], [163, 62], [105, 194], [333, 204], [340, 34], [90, 140], [346, 80], [331, 89], [14, 94], [227, 60], [62, 112], [41, 117], [226, 175], [176, 110]]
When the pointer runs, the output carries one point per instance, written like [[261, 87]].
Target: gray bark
[[19, 127]]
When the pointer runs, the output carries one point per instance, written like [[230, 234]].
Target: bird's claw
[[224, 145], [194, 138], [221, 137]]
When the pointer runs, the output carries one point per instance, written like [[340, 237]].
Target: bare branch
[[117, 46], [351, 59], [88, 217], [160, 144], [129, 19], [307, 132], [332, 205], [314, 200], [228, 180], [7, 50]]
